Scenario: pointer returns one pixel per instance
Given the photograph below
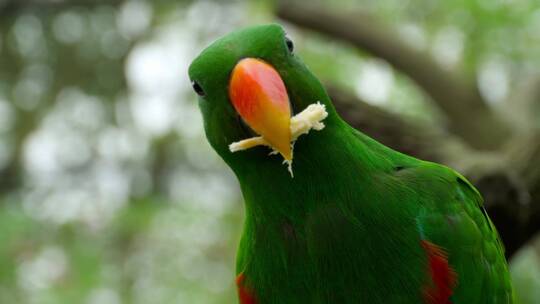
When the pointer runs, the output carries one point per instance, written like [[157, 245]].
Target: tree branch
[[388, 128], [467, 114]]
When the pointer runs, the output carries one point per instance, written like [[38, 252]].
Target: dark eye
[[290, 44], [197, 88]]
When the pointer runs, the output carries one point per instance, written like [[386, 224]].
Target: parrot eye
[[197, 88], [290, 44]]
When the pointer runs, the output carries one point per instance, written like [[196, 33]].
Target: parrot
[[350, 220]]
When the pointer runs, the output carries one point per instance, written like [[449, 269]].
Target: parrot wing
[[456, 230]]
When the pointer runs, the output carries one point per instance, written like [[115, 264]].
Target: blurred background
[[109, 192]]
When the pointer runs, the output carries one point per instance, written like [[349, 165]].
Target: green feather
[[348, 227]]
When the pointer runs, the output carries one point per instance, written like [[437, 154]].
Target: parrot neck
[[325, 164], [296, 227]]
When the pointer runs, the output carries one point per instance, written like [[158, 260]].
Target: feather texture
[[443, 277], [244, 294]]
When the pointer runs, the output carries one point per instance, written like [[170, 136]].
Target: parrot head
[[250, 83]]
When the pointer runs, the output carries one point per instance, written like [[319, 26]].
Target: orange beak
[[259, 95]]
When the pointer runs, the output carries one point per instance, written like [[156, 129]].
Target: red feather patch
[[244, 294], [443, 277]]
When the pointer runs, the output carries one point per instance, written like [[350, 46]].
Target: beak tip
[[286, 152]]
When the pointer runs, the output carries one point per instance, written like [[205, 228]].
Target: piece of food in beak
[[309, 119]]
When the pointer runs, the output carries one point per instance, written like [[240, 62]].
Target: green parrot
[[350, 220]]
